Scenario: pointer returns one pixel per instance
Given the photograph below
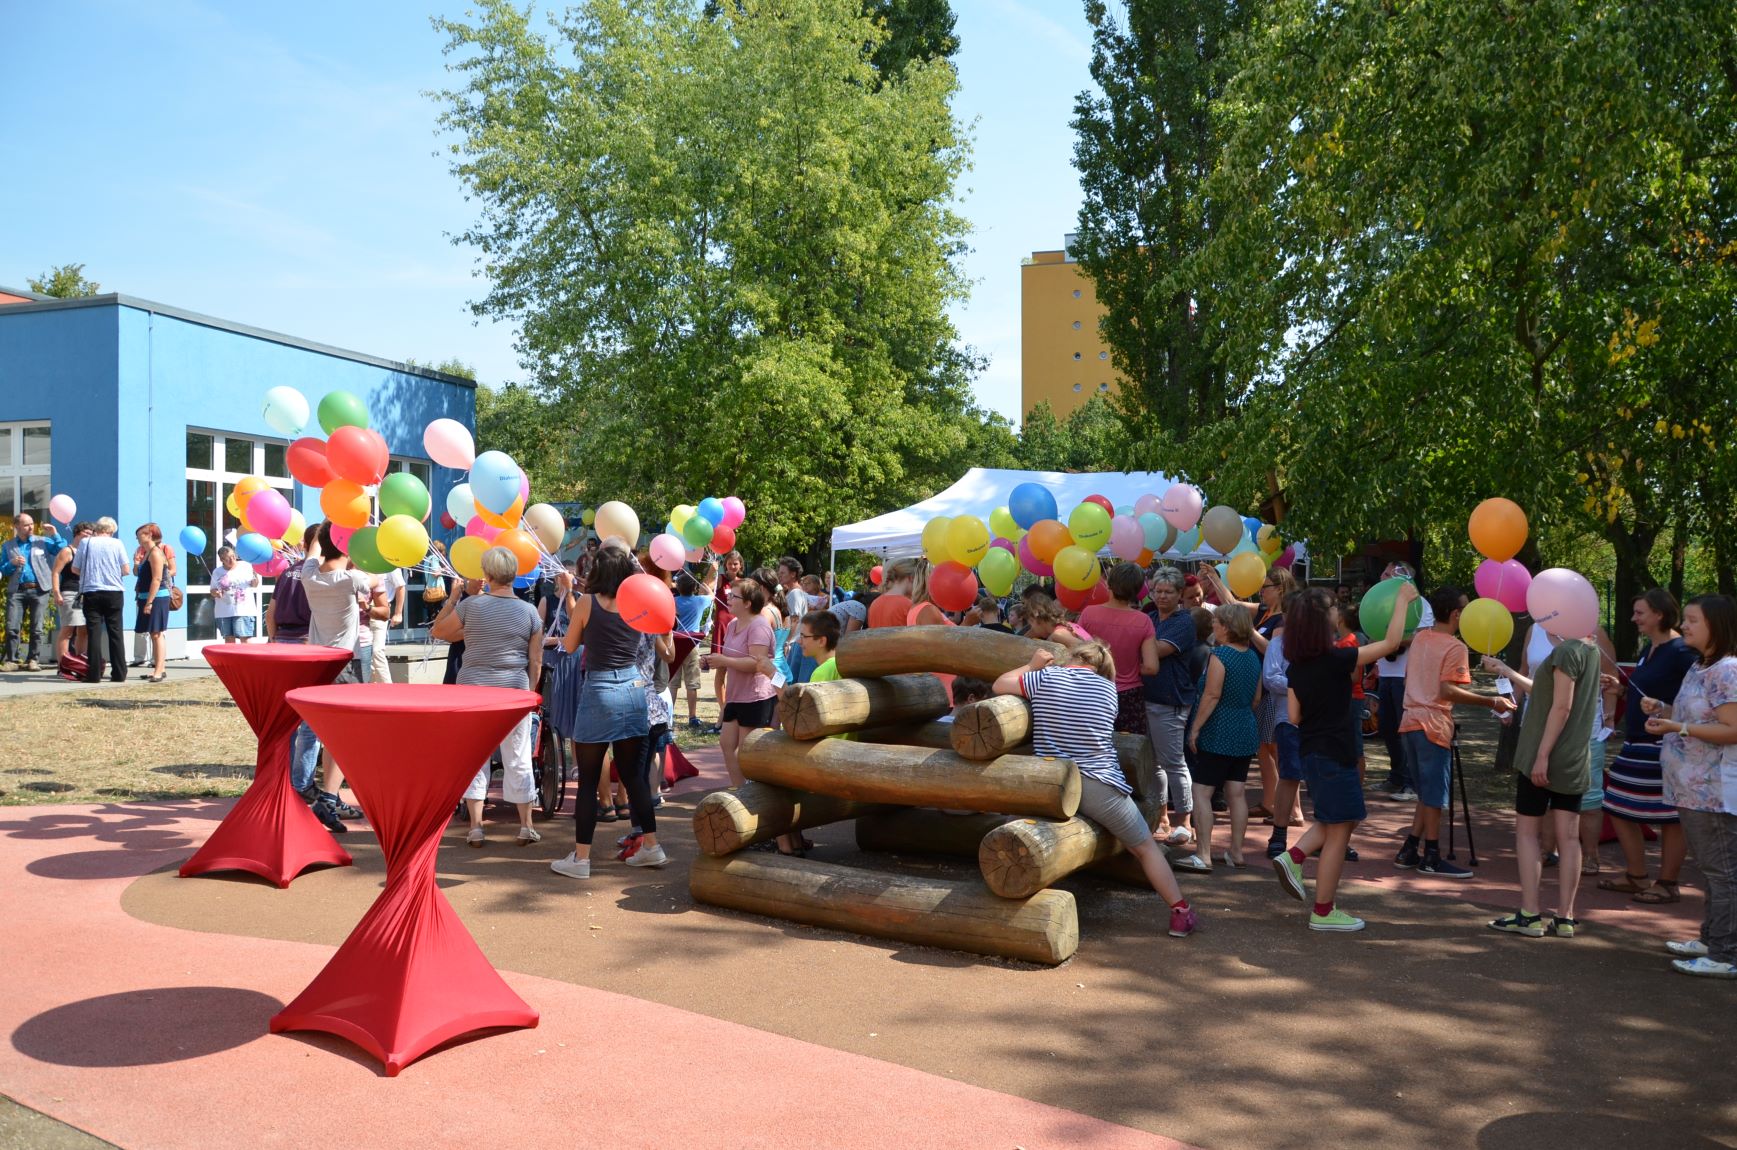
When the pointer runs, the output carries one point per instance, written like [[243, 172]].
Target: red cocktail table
[[270, 831], [409, 977]]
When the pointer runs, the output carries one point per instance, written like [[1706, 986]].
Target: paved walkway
[[29, 684]]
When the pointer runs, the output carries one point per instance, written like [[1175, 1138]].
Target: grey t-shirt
[[332, 610], [497, 641]]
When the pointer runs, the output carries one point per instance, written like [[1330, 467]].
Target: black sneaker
[[346, 810], [326, 811], [1276, 846], [1351, 854], [1442, 868], [1219, 806], [1407, 858], [310, 794]]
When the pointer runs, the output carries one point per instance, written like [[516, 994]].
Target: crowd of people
[[1286, 683]]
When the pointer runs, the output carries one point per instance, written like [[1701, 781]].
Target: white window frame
[[220, 477], [13, 469]]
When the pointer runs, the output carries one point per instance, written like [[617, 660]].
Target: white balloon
[[286, 409], [460, 505]]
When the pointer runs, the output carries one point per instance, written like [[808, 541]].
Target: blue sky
[[275, 165]]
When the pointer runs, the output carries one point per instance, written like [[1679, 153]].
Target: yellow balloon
[[1001, 522], [618, 519], [1486, 626], [678, 518], [298, 526], [1076, 568], [402, 541], [1245, 574], [232, 505], [967, 540], [467, 555], [935, 539]]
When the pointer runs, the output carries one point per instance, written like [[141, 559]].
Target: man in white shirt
[[391, 585]]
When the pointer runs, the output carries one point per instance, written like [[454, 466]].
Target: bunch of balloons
[[1498, 530], [693, 528]]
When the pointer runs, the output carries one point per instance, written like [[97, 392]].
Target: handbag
[[435, 592], [176, 598], [1372, 718]]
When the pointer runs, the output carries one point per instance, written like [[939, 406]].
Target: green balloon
[[1376, 610], [341, 409], [1090, 526], [365, 552], [401, 493], [998, 568], [697, 531]]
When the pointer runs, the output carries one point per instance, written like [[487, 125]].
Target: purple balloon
[[1506, 582], [1288, 557], [1031, 562], [1005, 546]]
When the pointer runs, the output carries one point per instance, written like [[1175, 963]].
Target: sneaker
[[1705, 967], [1530, 925], [1219, 806], [346, 810], [1407, 858], [572, 866], [1182, 921], [648, 856], [1290, 875], [1335, 919], [310, 794], [528, 835], [1551, 859], [33, 665], [1563, 927], [1276, 846], [475, 838], [328, 816], [1351, 855], [1687, 948], [1442, 868], [696, 725], [1407, 795]]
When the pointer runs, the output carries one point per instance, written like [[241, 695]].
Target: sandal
[[1662, 891], [622, 810], [606, 813], [1259, 811], [1627, 884], [1588, 869]]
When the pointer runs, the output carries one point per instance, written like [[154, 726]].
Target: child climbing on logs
[[1073, 716]]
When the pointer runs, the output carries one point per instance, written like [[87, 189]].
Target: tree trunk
[[727, 821], [816, 710], [914, 776], [970, 651], [992, 727], [935, 736], [1632, 546], [1023, 856], [917, 830], [1679, 552], [926, 911]]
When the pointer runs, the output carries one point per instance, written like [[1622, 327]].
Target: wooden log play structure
[[1044, 928], [816, 710], [970, 787], [914, 776]]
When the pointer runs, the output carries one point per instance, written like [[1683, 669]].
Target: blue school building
[[151, 414]]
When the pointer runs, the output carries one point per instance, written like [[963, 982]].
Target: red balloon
[[875, 573], [646, 604], [723, 539], [382, 453], [354, 456], [1071, 599], [447, 522], [1102, 502], [308, 462], [953, 587]]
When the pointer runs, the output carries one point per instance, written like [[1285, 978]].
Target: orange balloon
[[345, 503], [245, 488], [523, 547], [508, 518], [1047, 537], [1145, 557], [1498, 529]]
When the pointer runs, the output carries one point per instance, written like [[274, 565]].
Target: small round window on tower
[[1076, 293], [1076, 325], [1076, 387]]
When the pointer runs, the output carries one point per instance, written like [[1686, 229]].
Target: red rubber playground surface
[[138, 1003]]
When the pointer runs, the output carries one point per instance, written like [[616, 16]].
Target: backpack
[[291, 611]]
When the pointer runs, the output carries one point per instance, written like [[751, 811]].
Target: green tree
[[1091, 438], [64, 282], [916, 30], [453, 366], [537, 433], [729, 250]]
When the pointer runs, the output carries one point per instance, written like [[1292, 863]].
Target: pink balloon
[[524, 485], [695, 554], [1181, 506], [341, 536], [276, 565], [668, 552], [449, 443], [734, 512], [480, 530], [1288, 557], [268, 513], [1127, 538], [1146, 504], [1506, 582], [1031, 562], [1005, 546], [1563, 603], [63, 508]]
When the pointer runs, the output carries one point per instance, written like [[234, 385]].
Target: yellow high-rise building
[[1063, 359]]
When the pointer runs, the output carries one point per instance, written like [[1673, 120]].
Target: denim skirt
[[612, 706]]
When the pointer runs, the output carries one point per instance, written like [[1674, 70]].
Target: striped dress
[[1634, 782]]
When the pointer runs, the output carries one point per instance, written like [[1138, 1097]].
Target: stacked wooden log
[[912, 783]]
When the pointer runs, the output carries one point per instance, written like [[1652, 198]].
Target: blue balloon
[[1031, 503], [711, 510], [192, 541], [253, 548], [1187, 543], [494, 481], [1252, 524]]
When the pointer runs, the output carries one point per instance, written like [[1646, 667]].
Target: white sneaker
[[1406, 796], [648, 856], [1706, 967], [572, 866], [1688, 948], [527, 836], [475, 837]]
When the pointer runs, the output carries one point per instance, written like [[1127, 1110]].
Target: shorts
[[612, 707], [153, 616], [236, 626], [1532, 800], [71, 609], [1335, 789], [1210, 770], [1114, 811], [1593, 799], [1431, 770], [1167, 727], [750, 715], [690, 670], [1290, 743]]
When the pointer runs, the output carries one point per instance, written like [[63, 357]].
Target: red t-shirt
[[1357, 674], [1124, 630], [889, 611]]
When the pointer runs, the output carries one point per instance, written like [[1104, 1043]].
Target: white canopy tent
[[983, 489]]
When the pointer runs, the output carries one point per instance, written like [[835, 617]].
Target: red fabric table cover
[[409, 977], [270, 831]]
